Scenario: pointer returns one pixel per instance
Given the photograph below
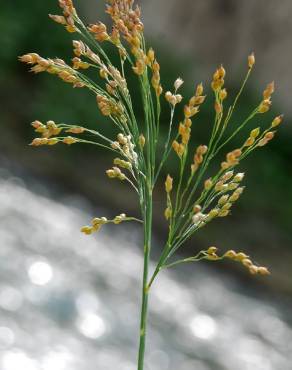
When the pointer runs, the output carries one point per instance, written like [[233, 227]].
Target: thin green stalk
[[145, 290]]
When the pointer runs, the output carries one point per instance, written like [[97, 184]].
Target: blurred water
[[70, 302]]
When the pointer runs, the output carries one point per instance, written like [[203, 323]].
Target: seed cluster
[[53, 66], [98, 222], [126, 147], [190, 110], [211, 254], [69, 15]]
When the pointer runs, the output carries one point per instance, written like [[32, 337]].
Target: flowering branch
[[193, 200]]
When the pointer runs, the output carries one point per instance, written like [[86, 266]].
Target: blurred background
[[71, 302]]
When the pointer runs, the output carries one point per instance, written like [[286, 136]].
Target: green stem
[[145, 290]]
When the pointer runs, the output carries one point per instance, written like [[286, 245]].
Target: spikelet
[[198, 157], [218, 79], [116, 173], [251, 60], [99, 31]]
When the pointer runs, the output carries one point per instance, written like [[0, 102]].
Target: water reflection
[[6, 337], [10, 298], [68, 301], [40, 273], [203, 327], [91, 325]]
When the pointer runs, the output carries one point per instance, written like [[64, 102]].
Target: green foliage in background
[[24, 27]]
